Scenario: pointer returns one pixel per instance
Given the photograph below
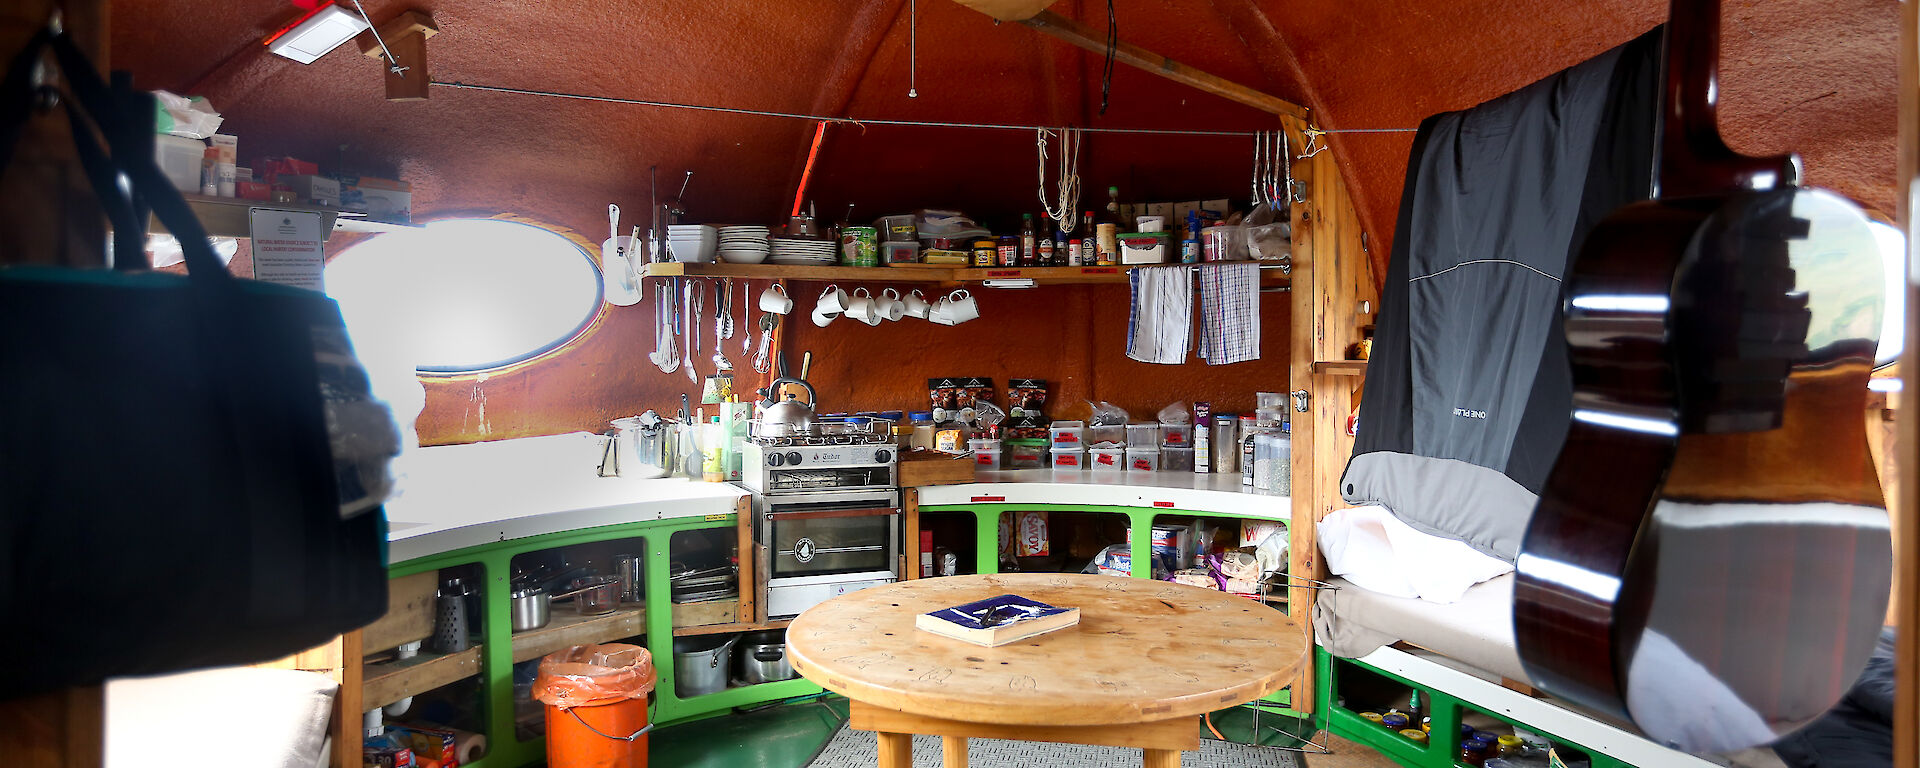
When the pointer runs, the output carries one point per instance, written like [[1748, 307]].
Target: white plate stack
[[692, 243], [804, 250], [744, 244]]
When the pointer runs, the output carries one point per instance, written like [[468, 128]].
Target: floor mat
[[860, 749]]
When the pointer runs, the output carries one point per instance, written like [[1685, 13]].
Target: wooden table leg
[[896, 750], [953, 750], [1160, 758]]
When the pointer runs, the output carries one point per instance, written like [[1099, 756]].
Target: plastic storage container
[[1068, 435], [1176, 459], [1273, 463], [1069, 461], [899, 253], [1024, 456], [1116, 435], [1143, 435], [1106, 459], [983, 444], [1176, 435], [1143, 460], [986, 459]]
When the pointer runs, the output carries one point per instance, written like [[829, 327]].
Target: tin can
[[860, 247], [1108, 237]]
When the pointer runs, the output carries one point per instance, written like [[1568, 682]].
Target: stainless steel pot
[[532, 608], [700, 664], [763, 658], [596, 595]]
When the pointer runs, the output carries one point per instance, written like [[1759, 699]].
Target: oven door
[[825, 534]]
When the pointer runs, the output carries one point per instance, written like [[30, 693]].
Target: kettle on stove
[[786, 417]]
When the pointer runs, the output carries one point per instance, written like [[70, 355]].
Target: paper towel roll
[[469, 746]]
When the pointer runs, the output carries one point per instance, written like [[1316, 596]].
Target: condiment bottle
[[1029, 242], [1047, 250], [1107, 233], [1089, 242]]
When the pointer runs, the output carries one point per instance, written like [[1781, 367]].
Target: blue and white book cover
[[992, 612]]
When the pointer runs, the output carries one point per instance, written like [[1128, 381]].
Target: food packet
[[1106, 414], [1176, 413], [1026, 402]]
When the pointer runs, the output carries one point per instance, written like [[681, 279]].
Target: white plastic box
[[1176, 459], [1143, 460], [1107, 460], [1176, 435], [1143, 435], [179, 160], [986, 459], [978, 445], [1069, 461], [1068, 435], [1117, 435]]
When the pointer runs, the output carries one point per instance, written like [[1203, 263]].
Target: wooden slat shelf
[[1341, 367], [1270, 274], [392, 681], [823, 274], [705, 613], [567, 628], [715, 629]]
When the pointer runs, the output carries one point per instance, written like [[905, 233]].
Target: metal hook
[[1313, 146]]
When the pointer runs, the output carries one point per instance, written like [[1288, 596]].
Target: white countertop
[[1213, 492], [460, 496]]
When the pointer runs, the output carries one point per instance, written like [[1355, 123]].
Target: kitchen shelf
[[704, 613], [568, 629], [925, 273], [227, 216], [392, 681], [918, 273], [716, 629], [1341, 367]]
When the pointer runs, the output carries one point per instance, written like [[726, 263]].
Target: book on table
[[997, 620]]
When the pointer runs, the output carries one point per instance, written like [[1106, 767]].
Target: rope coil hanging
[[1060, 207]]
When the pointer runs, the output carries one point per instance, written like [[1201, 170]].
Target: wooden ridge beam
[[1050, 23]]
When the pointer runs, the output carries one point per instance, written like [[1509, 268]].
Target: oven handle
[[815, 514]]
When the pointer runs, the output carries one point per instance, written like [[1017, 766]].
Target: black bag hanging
[[170, 493]]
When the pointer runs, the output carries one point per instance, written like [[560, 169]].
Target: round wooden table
[[1146, 659]]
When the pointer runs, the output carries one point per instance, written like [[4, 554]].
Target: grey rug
[[860, 749]]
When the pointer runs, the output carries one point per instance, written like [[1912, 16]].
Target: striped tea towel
[[1161, 325], [1229, 313]]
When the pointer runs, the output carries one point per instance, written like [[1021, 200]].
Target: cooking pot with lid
[[763, 658]]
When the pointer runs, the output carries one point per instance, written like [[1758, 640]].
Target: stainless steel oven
[[821, 544]]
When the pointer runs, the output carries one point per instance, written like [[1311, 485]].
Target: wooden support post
[[347, 724], [51, 215], [406, 36], [1071, 31], [911, 530], [953, 751], [750, 611], [62, 729], [1906, 507], [896, 750]]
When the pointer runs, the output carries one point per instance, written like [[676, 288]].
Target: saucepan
[[532, 606]]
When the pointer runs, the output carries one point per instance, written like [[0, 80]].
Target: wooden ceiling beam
[[1079, 35]]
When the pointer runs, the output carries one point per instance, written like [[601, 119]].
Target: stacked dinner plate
[[803, 250], [744, 245]]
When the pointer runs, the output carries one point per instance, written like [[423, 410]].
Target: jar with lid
[[986, 252]]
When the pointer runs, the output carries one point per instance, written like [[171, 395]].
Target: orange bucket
[[596, 697]]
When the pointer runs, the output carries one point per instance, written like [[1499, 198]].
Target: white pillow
[[1372, 548], [272, 718]]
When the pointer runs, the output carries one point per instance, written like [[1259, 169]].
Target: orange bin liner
[[596, 697]]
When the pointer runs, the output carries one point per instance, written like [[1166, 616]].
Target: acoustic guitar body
[[1710, 558]]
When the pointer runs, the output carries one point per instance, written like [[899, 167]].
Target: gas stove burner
[[819, 440], [829, 431]]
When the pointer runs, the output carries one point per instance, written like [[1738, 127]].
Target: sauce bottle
[[1029, 248], [1046, 253], [1107, 232], [1086, 243]]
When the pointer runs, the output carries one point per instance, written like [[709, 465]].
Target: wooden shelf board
[[919, 273], [715, 629], [705, 613], [567, 629], [228, 216], [1341, 367], [395, 680], [916, 274]]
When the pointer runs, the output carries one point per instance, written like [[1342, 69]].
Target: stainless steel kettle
[[781, 418]]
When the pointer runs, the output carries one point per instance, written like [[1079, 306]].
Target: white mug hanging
[[891, 307], [861, 307], [916, 305], [832, 301], [775, 299], [961, 307]]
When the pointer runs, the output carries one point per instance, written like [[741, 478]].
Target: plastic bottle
[[1190, 247], [1029, 245]]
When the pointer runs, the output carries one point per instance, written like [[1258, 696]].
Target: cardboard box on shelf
[[383, 199], [312, 189]]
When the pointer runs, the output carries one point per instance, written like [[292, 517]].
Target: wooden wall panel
[[1332, 278]]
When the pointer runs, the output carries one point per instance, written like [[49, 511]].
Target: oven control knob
[[793, 458], [775, 459], [882, 456]]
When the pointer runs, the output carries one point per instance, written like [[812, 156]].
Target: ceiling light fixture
[[313, 35]]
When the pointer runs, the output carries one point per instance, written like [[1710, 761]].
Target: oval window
[[466, 295]]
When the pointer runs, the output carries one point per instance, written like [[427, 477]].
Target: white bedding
[[272, 718], [1373, 549]]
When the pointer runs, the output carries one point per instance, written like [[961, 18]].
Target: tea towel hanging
[[1230, 313], [1160, 327]]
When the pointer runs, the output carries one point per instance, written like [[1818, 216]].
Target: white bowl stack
[[692, 243], [804, 250], [744, 244]]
